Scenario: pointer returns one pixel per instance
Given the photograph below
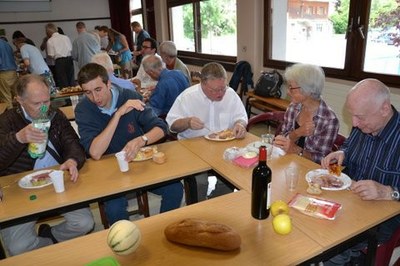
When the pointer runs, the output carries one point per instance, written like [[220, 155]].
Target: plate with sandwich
[[36, 179], [223, 135], [328, 180]]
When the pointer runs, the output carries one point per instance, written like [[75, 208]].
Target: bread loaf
[[200, 233], [159, 157]]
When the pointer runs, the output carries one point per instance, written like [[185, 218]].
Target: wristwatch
[[395, 194], [145, 139]]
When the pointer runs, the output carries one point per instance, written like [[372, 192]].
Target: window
[[349, 38], [204, 28], [136, 11]]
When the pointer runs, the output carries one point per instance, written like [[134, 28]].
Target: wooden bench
[[264, 104]]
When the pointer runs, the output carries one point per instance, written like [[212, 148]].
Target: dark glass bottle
[[261, 187]]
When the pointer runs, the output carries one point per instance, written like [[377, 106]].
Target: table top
[[260, 243], [68, 112], [98, 179]]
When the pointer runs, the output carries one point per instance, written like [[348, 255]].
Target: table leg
[[190, 185]]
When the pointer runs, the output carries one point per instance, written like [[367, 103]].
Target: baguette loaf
[[200, 233]]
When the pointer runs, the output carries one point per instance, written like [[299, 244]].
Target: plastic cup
[[123, 164], [292, 177], [57, 177]]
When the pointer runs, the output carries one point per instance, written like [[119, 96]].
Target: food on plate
[[335, 169], [327, 181], [145, 153], [314, 189], [201, 233], [40, 179], [250, 154], [124, 237], [282, 224], [224, 134], [159, 157], [70, 89]]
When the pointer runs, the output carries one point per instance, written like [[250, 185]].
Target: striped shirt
[[377, 157], [326, 123]]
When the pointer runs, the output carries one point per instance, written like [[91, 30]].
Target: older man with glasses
[[207, 107]]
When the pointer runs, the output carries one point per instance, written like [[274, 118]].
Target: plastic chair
[[275, 117]]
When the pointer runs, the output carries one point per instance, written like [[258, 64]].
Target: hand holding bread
[[201, 233]]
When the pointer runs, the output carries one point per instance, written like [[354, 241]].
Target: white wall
[[73, 10]]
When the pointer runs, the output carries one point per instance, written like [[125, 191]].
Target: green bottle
[[38, 150]]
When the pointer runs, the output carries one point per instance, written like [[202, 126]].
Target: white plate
[[317, 172], [217, 138], [255, 146], [25, 182]]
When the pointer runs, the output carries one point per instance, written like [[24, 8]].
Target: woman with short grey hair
[[310, 126]]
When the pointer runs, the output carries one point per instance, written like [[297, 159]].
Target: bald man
[[371, 154]]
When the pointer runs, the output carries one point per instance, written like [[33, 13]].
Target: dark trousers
[[64, 69]]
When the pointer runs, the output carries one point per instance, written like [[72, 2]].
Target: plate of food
[[145, 153], [327, 180], [35, 180], [223, 135], [255, 147]]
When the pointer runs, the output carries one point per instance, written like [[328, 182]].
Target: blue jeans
[[384, 232], [171, 194]]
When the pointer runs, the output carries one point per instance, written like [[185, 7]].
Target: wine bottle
[[261, 187]]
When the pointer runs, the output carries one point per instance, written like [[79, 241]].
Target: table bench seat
[[264, 104]]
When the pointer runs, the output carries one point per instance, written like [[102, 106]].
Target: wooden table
[[97, 180], [260, 244], [264, 103], [68, 112]]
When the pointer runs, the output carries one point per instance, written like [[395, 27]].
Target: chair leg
[[190, 186], [143, 203]]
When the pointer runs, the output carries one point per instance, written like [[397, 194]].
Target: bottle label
[[269, 196], [37, 150]]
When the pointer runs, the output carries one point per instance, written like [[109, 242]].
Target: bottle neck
[[262, 157]]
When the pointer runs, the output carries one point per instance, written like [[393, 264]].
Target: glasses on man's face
[[290, 88], [217, 90], [146, 47]]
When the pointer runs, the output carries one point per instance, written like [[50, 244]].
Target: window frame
[[355, 48], [196, 58]]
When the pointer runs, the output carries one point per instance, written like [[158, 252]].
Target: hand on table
[[371, 190], [132, 148], [71, 166]]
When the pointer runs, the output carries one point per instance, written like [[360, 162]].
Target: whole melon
[[124, 237]]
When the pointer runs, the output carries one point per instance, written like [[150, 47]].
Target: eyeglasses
[[217, 91], [293, 88], [146, 47]]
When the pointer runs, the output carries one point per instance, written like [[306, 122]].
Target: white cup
[[123, 164], [292, 177], [57, 177]]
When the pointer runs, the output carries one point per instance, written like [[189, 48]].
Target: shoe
[[45, 231]]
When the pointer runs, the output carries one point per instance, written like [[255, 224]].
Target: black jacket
[[242, 71], [14, 156]]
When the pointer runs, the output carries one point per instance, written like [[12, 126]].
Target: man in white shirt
[[207, 107], [59, 47]]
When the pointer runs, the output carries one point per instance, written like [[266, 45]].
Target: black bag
[[269, 84]]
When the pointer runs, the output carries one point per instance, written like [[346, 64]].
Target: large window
[[351, 39], [206, 28]]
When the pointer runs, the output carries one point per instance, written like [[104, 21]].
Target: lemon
[[279, 207], [282, 224]]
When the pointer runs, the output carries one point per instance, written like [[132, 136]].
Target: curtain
[[121, 18]]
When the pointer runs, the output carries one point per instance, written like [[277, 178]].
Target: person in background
[[170, 84], [16, 132], [149, 47], [18, 34], [208, 107], [104, 60], [111, 119], [50, 61], [169, 55], [140, 36], [370, 155], [59, 47], [85, 45], [119, 44], [8, 72], [103, 33], [310, 126]]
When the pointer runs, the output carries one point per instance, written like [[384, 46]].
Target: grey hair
[[22, 83], [378, 92], [310, 78], [168, 48], [213, 71], [152, 62], [103, 59]]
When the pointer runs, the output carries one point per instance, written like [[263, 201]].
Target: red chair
[[340, 139], [275, 117], [385, 251]]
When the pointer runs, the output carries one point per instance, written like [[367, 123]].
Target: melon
[[123, 237]]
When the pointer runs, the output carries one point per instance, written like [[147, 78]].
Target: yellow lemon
[[282, 224], [279, 207]]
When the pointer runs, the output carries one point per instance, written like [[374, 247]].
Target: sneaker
[[45, 231]]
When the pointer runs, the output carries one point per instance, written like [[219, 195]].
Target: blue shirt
[[375, 158], [37, 65], [7, 62], [123, 83], [170, 84]]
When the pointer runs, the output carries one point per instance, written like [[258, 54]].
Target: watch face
[[396, 195]]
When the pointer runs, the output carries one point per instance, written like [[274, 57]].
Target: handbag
[[269, 84]]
